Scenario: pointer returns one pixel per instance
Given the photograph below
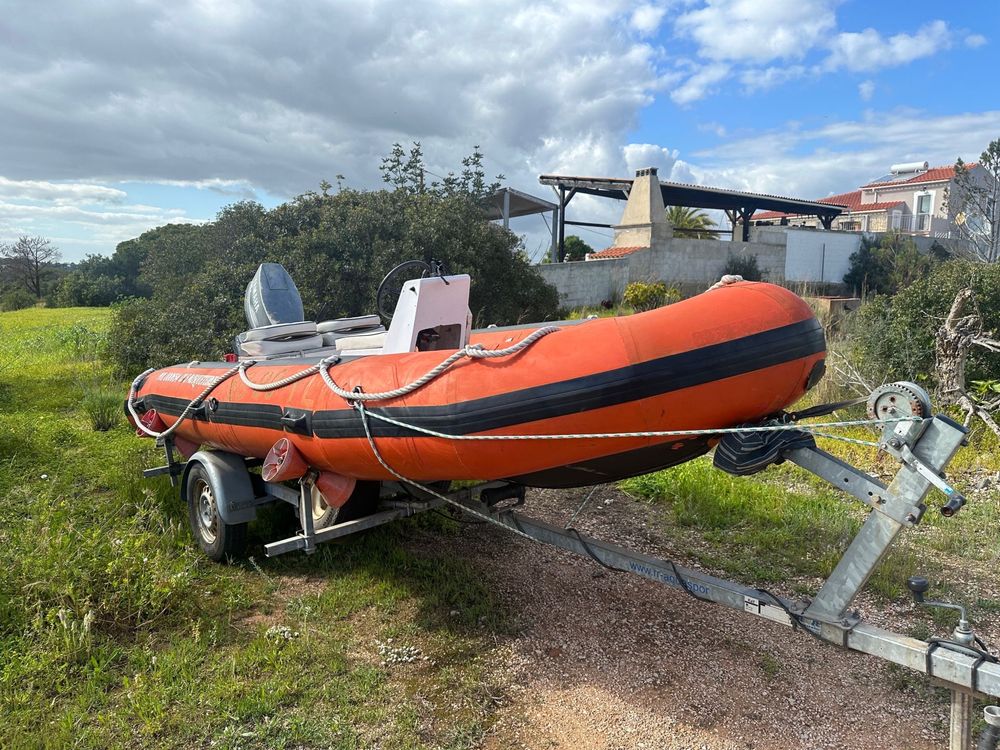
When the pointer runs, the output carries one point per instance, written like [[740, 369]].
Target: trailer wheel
[[323, 515], [217, 539], [362, 502]]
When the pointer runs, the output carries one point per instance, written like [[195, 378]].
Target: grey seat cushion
[[286, 346], [280, 331], [343, 325]]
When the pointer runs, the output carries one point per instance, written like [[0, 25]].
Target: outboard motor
[[272, 297], [276, 317]]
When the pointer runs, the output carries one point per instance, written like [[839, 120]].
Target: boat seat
[[336, 330], [280, 332], [274, 311], [368, 342], [345, 325], [296, 345]]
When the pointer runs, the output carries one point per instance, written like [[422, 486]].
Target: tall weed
[[103, 408]]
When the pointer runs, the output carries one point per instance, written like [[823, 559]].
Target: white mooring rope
[[357, 398], [649, 433], [413, 483], [472, 352], [192, 405]]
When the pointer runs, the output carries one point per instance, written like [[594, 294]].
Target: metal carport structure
[[738, 205]]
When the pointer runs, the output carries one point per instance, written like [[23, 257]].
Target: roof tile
[[615, 252], [851, 201], [934, 174]]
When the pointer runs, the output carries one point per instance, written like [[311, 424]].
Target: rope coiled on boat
[[472, 352]]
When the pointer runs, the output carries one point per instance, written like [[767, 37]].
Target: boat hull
[[726, 357]]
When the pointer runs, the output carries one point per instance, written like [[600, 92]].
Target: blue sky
[[120, 116]]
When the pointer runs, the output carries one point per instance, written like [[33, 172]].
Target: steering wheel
[[391, 286]]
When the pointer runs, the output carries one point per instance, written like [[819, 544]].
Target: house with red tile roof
[[911, 198]]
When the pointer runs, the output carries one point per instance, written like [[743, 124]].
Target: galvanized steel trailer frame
[[924, 449]]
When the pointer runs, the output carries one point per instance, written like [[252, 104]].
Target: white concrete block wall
[[819, 256]]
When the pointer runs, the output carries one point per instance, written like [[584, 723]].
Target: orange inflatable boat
[[734, 354]]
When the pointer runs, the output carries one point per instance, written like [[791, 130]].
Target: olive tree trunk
[[962, 329]]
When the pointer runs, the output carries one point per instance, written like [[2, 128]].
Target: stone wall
[[690, 265]]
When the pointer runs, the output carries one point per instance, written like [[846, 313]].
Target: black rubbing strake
[[631, 383]]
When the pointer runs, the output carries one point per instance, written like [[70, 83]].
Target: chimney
[[643, 222]]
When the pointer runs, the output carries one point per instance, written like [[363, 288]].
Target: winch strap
[[821, 410]]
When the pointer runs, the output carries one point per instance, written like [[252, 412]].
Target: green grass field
[[115, 632]]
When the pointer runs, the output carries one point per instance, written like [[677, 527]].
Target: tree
[[974, 203], [963, 329], [888, 265], [743, 265], [576, 249], [337, 247], [407, 172], [694, 221], [894, 337], [30, 259]]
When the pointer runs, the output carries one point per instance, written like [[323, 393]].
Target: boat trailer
[[923, 448]]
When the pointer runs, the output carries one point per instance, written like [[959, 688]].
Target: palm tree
[[692, 220]]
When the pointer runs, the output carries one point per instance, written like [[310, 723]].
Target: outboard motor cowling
[[272, 297]]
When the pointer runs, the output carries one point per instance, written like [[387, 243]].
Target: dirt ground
[[610, 661]]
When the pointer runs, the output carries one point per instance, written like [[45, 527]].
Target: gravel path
[[612, 661]]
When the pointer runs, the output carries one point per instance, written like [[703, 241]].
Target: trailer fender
[[234, 495]]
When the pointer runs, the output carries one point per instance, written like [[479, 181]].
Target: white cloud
[[767, 78], [836, 158], [280, 97], [866, 90], [100, 212], [751, 31], [642, 155], [238, 97], [59, 192], [716, 128], [975, 41], [700, 84], [646, 18], [783, 40], [869, 50]]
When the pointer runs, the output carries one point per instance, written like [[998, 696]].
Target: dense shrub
[[16, 299], [98, 281], [889, 264], [743, 265], [336, 247], [894, 336], [643, 295]]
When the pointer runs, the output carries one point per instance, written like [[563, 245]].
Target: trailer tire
[[219, 540], [362, 502], [323, 515]]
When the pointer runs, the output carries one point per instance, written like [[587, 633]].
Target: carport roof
[[521, 204], [693, 196]]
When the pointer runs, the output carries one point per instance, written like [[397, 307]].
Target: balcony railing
[[914, 223], [906, 223]]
